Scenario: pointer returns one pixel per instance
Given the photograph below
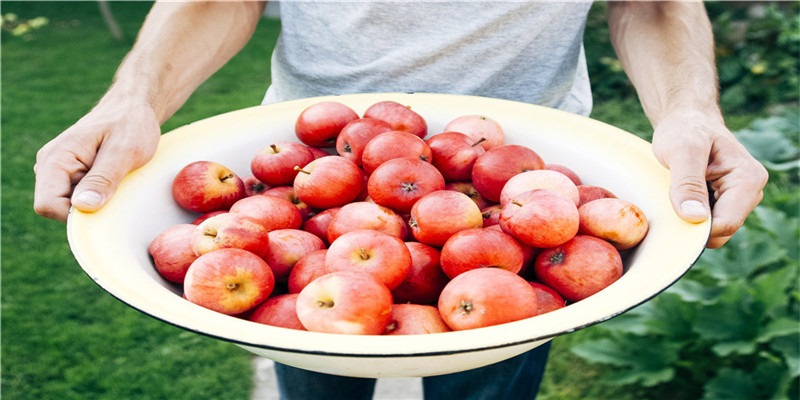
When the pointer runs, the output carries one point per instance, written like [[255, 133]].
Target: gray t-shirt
[[524, 51]]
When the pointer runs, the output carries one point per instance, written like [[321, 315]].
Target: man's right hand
[[83, 166]]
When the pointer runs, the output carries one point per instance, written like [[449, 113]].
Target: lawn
[[65, 338]]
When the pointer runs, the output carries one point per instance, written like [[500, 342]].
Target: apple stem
[[516, 203], [325, 304], [363, 254], [274, 148], [481, 140], [226, 177], [298, 169], [423, 157]]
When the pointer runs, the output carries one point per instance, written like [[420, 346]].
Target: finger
[[730, 211], [101, 181], [688, 188], [52, 190]]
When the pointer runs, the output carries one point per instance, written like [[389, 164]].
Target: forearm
[[179, 46], [667, 51]]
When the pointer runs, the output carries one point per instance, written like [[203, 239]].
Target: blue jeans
[[516, 378]]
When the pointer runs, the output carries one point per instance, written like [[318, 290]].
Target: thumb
[[99, 184], [688, 187]]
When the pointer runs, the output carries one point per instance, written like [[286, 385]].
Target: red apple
[[425, 279], [479, 128], [454, 154], [588, 193], [306, 269], [319, 124], [204, 186], [366, 215], [491, 215], [440, 214], [229, 281], [569, 172], [415, 319], [365, 250], [172, 252], [280, 311], [393, 144], [288, 193], [400, 182], [539, 179], [354, 137], [318, 224], [203, 217], [618, 221], [540, 218], [469, 189], [318, 152], [230, 231], [346, 302], [253, 186], [270, 211], [329, 182], [399, 116], [579, 268], [480, 248], [548, 298], [286, 247], [275, 164], [494, 168], [485, 297]]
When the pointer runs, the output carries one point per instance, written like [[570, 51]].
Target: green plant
[[730, 329]]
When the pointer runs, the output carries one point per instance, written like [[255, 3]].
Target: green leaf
[[777, 328], [784, 228], [729, 319], [731, 384], [771, 289], [789, 349], [768, 139], [645, 360], [695, 292], [746, 251], [741, 347]]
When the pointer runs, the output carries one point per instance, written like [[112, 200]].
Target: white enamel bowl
[[111, 245]]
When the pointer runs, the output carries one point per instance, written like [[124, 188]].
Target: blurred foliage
[[19, 27], [757, 51], [730, 329]]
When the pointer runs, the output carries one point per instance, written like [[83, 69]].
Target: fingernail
[[88, 198], [694, 208]]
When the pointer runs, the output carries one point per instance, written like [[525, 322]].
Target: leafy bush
[[730, 329]]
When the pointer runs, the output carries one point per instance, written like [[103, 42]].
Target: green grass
[[65, 338]]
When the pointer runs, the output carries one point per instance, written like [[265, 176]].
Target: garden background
[[729, 330]]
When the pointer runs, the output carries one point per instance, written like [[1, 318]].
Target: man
[[525, 51]]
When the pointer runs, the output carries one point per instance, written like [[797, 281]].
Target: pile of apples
[[367, 225]]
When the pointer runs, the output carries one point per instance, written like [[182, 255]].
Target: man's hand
[[84, 165], [701, 153]]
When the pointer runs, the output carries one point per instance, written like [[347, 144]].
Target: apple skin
[[275, 164], [205, 186], [203, 217], [539, 179], [569, 172], [491, 215], [425, 279], [354, 137], [486, 297], [479, 128], [398, 183], [287, 247], [270, 211], [579, 268], [319, 124], [399, 116], [415, 319], [548, 298], [469, 189], [280, 311], [440, 214], [329, 182], [230, 230], [288, 193], [454, 154], [393, 144], [253, 186], [309, 267], [345, 302], [588, 193], [366, 215], [319, 223], [384, 256], [229, 281], [618, 221], [494, 168], [172, 252], [540, 218], [480, 248]]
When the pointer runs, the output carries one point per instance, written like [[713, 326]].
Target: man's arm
[[179, 46], [667, 50]]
